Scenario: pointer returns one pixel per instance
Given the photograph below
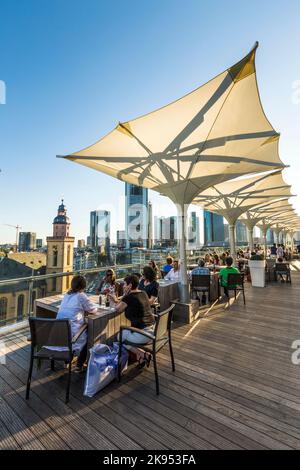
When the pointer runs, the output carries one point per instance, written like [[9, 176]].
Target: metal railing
[[17, 295]]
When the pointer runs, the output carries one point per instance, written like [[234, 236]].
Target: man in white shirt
[[173, 275]]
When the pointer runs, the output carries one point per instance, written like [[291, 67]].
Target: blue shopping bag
[[102, 367]]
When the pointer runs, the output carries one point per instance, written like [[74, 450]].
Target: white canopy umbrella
[[234, 198], [279, 222], [215, 133], [268, 210]]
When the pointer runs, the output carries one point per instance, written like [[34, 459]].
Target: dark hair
[[78, 283], [280, 260], [169, 260], [149, 273], [132, 279], [201, 263], [153, 264], [229, 261]]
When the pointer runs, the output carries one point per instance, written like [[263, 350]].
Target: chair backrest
[[235, 279], [163, 323], [50, 332], [200, 280], [282, 267]]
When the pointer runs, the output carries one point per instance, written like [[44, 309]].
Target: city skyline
[[112, 84]]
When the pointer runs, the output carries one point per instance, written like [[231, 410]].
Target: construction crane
[[17, 227]]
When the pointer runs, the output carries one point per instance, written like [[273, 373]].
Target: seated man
[[224, 273], [202, 271], [173, 274], [278, 273]]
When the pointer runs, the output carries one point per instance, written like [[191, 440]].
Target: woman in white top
[[173, 275], [73, 307]]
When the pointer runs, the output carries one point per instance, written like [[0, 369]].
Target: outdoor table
[[168, 291], [105, 324], [102, 326]]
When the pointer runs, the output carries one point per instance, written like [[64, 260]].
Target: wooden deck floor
[[235, 387]]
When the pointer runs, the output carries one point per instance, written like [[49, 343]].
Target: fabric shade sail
[[270, 211], [234, 198], [215, 133], [278, 222]]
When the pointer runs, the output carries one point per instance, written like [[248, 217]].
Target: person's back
[[273, 250], [201, 269], [224, 273], [138, 309]]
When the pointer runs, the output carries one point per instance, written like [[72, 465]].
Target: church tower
[[60, 253]]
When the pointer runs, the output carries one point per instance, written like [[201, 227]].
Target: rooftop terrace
[[235, 387]]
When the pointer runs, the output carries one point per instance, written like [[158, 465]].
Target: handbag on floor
[[102, 367]]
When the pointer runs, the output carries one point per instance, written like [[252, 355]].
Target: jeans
[[134, 337], [82, 356]]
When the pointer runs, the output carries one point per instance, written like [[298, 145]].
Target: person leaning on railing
[[224, 273]]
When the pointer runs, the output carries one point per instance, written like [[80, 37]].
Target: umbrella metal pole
[[232, 241], [183, 278], [250, 238], [264, 231]]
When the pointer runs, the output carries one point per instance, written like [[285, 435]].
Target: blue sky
[[74, 68]]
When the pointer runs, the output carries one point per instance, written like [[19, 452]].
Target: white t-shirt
[[72, 308], [172, 275]]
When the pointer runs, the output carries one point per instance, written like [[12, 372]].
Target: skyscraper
[[121, 240], [136, 216], [193, 231], [241, 233], [27, 241], [213, 229], [150, 226], [165, 231], [100, 231], [270, 236]]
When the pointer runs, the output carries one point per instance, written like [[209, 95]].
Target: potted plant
[[257, 266]]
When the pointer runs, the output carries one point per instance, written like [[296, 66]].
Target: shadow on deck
[[234, 387]]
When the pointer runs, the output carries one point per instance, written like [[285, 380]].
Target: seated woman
[[153, 265], [108, 284], [149, 284], [73, 307], [216, 260], [173, 275], [135, 304], [207, 260]]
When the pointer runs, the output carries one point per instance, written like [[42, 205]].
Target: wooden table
[[102, 327], [168, 291]]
